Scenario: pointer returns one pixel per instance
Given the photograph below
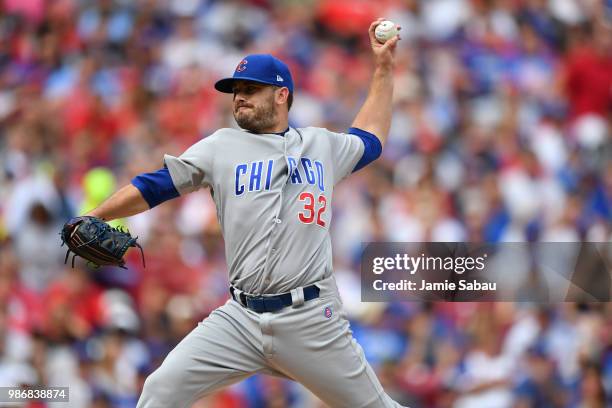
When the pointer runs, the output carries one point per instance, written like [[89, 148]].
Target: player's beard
[[258, 118]]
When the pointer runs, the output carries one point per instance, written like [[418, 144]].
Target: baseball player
[[272, 186]]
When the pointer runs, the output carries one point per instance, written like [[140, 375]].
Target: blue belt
[[261, 304]]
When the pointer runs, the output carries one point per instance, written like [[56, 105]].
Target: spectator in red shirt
[[588, 80]]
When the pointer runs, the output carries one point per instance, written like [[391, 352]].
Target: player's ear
[[282, 94]]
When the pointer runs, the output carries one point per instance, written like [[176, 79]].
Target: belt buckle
[[256, 303], [260, 304], [274, 304]]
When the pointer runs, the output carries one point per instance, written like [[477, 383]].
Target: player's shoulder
[[208, 143], [313, 131], [218, 135], [225, 132]]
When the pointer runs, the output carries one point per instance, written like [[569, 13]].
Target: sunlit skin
[[260, 108]]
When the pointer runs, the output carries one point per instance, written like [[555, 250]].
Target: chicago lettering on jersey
[[257, 175], [306, 171], [253, 176]]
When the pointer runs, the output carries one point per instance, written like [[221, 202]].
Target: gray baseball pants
[[300, 343]]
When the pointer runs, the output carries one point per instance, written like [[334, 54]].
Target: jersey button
[[277, 220]]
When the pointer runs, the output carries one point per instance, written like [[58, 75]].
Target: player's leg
[[221, 350], [314, 346]]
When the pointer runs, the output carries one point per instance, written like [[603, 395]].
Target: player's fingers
[[374, 24], [391, 43]]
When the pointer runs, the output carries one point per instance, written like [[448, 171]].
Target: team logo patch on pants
[[327, 312]]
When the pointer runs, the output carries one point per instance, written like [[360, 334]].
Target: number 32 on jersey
[[314, 208]]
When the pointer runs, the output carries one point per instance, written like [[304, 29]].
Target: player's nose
[[240, 100], [239, 95]]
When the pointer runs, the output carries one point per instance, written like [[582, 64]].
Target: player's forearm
[[125, 202], [375, 114]]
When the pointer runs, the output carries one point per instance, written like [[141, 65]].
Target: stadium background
[[501, 132]]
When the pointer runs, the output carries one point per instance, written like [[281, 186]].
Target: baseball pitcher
[[273, 187]]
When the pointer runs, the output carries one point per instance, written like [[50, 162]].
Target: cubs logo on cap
[[242, 65], [260, 68]]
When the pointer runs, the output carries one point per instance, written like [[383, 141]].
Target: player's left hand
[[96, 241], [384, 54]]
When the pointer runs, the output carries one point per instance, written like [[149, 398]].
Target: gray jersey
[[273, 196]]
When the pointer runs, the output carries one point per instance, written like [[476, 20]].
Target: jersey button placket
[[276, 220]]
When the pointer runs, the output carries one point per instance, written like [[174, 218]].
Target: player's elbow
[[372, 147], [155, 187]]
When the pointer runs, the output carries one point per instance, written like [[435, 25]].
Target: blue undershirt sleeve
[[155, 187], [372, 150]]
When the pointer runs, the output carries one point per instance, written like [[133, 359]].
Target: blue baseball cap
[[262, 68]]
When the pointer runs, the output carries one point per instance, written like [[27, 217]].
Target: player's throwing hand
[[383, 53]]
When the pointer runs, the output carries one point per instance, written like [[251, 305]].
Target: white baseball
[[385, 31]]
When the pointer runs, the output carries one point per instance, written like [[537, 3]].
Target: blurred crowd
[[501, 132]]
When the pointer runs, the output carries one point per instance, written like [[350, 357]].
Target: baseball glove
[[97, 242]]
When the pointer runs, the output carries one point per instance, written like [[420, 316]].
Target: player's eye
[[247, 90]]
